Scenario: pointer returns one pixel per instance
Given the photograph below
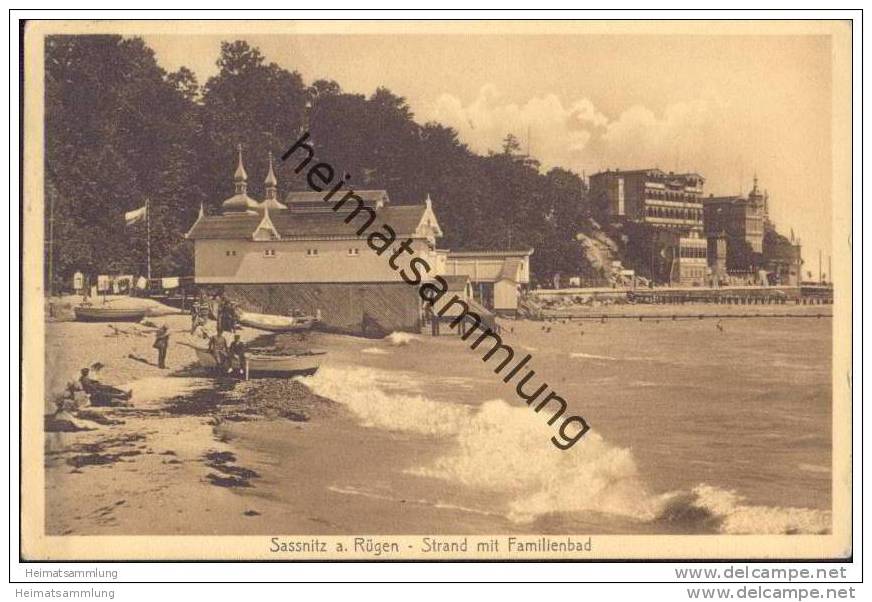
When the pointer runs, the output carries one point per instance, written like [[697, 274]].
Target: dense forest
[[120, 129]]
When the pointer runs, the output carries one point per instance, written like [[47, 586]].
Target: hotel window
[[353, 252], [311, 252], [269, 252], [230, 253]]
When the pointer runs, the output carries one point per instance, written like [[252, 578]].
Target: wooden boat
[[283, 366], [273, 323], [86, 313], [277, 366]]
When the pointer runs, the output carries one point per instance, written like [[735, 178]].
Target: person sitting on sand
[[100, 394]]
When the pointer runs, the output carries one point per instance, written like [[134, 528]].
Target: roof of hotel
[[652, 172], [403, 219], [489, 252], [724, 199]]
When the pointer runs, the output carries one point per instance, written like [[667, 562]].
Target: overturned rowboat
[[273, 323], [107, 314]]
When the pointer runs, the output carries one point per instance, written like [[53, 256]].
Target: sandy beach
[[165, 463], [412, 434]]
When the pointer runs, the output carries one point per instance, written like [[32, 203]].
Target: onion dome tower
[[271, 187], [240, 202]]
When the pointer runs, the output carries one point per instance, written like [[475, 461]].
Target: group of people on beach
[[226, 314], [229, 359]]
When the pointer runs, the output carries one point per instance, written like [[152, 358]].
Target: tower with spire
[[240, 201], [271, 187], [240, 178]]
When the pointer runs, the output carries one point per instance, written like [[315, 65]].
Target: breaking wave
[[726, 511], [507, 449], [366, 392]]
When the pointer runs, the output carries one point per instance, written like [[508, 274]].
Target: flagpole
[[148, 238]]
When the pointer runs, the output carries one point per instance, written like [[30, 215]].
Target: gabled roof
[[307, 197], [403, 219], [265, 229]]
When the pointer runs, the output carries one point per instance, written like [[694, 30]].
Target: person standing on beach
[[219, 316], [218, 349], [161, 343], [197, 319], [434, 321], [229, 317]]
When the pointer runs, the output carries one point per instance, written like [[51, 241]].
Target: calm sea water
[[694, 430]]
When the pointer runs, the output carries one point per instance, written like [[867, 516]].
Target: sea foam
[[400, 339], [503, 448]]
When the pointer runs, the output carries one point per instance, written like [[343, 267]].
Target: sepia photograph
[[385, 290]]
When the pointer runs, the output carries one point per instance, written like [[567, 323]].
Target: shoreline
[[385, 450], [685, 310]]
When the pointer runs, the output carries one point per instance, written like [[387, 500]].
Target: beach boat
[[278, 366], [107, 314], [273, 323], [283, 366]]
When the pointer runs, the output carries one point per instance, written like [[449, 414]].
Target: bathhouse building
[[497, 277], [300, 254]]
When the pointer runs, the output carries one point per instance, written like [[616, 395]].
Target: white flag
[[135, 216]]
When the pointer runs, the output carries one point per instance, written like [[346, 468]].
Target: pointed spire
[[240, 177], [270, 182], [202, 212]]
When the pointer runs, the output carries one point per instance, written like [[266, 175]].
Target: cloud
[[726, 142], [558, 132], [578, 135]]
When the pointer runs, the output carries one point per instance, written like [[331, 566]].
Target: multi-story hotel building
[[735, 225], [741, 218], [669, 207]]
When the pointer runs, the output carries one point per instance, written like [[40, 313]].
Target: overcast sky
[[723, 106]]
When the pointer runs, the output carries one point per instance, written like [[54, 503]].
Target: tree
[[511, 146], [113, 118], [119, 129]]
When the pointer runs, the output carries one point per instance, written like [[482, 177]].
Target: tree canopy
[[120, 129]]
